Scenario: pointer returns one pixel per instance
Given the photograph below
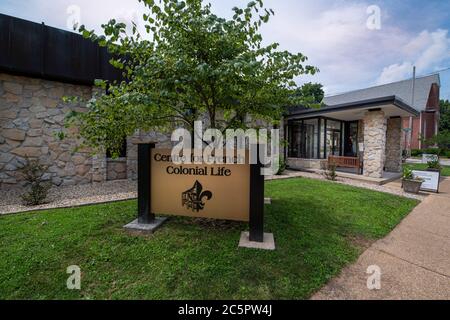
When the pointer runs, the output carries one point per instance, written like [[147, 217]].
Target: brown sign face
[[199, 190]]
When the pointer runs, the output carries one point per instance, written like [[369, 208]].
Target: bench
[[346, 162]]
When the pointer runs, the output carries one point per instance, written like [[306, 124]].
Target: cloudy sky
[[352, 45]]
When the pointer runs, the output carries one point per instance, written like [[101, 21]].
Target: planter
[[433, 170], [412, 186]]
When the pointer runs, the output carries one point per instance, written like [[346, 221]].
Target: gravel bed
[[72, 196]]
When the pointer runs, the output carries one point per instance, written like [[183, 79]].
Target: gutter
[[358, 105]]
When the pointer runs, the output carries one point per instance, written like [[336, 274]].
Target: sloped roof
[[400, 89]]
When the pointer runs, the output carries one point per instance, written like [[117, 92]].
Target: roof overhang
[[391, 106]]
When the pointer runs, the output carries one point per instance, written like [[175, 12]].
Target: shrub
[[436, 151], [408, 174], [283, 166], [33, 173], [434, 164], [330, 173]]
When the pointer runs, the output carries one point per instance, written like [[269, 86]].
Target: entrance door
[[351, 139], [335, 142]]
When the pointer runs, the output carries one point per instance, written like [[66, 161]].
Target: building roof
[[400, 89], [392, 105]]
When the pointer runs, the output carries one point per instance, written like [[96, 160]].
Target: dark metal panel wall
[[37, 50]]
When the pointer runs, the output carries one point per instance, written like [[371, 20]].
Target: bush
[[436, 151], [330, 173], [33, 173], [434, 164], [283, 166]]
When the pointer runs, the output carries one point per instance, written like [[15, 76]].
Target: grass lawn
[[319, 228], [445, 172]]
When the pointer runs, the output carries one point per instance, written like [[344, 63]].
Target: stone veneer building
[[39, 65]]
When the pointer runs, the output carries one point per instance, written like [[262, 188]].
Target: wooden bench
[[346, 162]]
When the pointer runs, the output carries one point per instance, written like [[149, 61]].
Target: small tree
[[33, 173], [192, 65], [311, 92]]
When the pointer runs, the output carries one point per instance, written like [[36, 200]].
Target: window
[[318, 138], [333, 140], [351, 139], [122, 152], [304, 139], [311, 138]]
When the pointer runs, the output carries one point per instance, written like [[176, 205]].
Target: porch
[[363, 139]]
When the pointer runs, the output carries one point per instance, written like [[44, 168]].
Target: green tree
[[190, 65], [444, 123], [311, 92], [442, 140]]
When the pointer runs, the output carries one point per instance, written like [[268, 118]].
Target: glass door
[[351, 139], [335, 142]]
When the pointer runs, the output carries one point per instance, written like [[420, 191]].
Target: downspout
[[412, 105], [420, 131]]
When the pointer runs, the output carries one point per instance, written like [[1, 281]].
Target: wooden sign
[[219, 191]]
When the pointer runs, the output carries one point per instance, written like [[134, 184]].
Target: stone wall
[[116, 169], [31, 114], [374, 143], [163, 141], [299, 164], [394, 145]]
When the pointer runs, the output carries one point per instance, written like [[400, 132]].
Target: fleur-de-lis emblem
[[194, 198]]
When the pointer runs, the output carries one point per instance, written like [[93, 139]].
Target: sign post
[[146, 221], [256, 222], [145, 216]]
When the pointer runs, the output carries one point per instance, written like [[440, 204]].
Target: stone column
[[374, 143], [394, 145]]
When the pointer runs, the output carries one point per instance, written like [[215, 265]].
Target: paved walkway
[[414, 258]]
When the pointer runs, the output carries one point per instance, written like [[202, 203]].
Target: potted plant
[[434, 165], [411, 184]]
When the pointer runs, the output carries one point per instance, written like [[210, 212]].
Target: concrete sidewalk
[[414, 258]]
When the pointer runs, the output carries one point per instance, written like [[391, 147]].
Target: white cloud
[[336, 39], [426, 51]]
